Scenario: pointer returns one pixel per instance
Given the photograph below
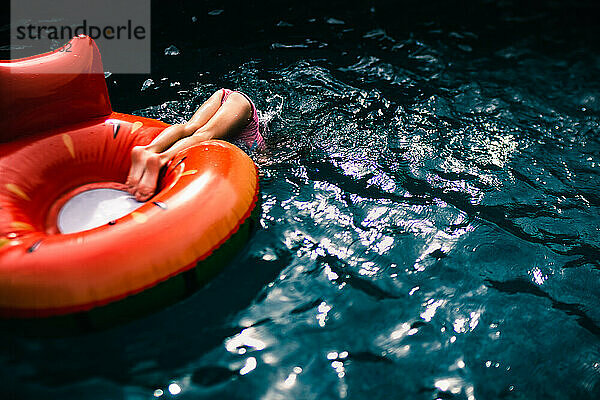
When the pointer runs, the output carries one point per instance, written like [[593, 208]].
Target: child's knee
[[242, 102], [216, 96]]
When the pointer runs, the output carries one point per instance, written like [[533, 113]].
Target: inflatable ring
[[60, 139]]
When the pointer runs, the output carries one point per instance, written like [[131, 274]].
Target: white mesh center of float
[[94, 208]]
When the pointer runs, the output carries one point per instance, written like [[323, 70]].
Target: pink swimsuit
[[250, 134]]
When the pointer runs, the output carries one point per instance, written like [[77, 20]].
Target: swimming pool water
[[430, 210]]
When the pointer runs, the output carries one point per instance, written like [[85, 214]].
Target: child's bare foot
[[147, 185], [143, 175], [138, 157]]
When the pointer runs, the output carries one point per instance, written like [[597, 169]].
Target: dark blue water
[[430, 210]]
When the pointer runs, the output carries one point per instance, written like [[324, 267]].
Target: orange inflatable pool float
[[64, 151]]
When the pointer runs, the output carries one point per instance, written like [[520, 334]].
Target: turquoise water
[[430, 211]]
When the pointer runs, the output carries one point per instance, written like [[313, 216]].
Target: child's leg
[[229, 119], [175, 132], [140, 155]]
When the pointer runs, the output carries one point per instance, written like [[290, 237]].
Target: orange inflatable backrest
[[52, 90]]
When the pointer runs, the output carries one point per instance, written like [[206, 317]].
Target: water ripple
[[429, 215]]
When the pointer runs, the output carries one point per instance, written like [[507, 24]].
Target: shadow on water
[[134, 352]]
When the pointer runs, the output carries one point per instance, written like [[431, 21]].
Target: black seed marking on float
[[116, 128], [179, 162], [114, 221], [160, 204], [34, 246]]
